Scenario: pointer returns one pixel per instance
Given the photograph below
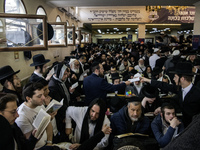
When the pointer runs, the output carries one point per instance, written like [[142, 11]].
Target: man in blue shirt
[[166, 126]]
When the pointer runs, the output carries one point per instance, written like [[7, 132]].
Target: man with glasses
[[11, 136], [10, 82]]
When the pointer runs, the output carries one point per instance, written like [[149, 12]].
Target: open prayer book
[[83, 74], [63, 145], [54, 105], [74, 85], [130, 134], [41, 122]]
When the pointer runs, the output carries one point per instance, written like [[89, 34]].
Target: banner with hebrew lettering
[[137, 14]]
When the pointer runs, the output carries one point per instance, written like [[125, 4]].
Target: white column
[[197, 19], [141, 31]]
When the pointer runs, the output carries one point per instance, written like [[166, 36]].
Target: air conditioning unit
[[64, 10]]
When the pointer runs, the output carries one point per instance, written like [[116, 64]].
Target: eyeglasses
[[14, 112]]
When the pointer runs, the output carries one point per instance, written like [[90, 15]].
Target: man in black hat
[[150, 101], [40, 68], [130, 118], [10, 82], [96, 87], [189, 98], [156, 73]]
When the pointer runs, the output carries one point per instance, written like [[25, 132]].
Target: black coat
[[19, 98], [191, 104], [197, 78], [57, 93], [35, 78], [9, 132]]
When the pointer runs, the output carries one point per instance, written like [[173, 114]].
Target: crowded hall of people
[[67, 86]]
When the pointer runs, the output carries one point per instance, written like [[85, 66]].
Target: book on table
[[54, 106], [41, 122], [131, 134]]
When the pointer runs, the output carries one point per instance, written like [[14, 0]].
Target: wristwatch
[[49, 142]]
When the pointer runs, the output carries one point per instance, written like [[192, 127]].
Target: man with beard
[[74, 66], [89, 121], [40, 68], [95, 86], [10, 82], [57, 86], [154, 57], [136, 88], [130, 119], [140, 67], [188, 94], [166, 126], [82, 60], [124, 65]]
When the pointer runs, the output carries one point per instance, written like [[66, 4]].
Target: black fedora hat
[[184, 68], [149, 91], [39, 60], [156, 71], [115, 76], [6, 72], [196, 62]]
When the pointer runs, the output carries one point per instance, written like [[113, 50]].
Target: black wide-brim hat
[[39, 60], [156, 71], [6, 72], [149, 91], [184, 68], [196, 62], [115, 76]]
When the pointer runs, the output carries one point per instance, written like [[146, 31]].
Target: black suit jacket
[[57, 93], [9, 133], [191, 104], [197, 78], [34, 78]]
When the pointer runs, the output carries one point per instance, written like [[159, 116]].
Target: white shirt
[[186, 90], [38, 74], [140, 69], [82, 65], [152, 60], [78, 114], [25, 120]]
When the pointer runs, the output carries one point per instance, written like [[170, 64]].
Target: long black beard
[[92, 121]]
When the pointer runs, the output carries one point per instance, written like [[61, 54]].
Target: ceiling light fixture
[[99, 30]]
